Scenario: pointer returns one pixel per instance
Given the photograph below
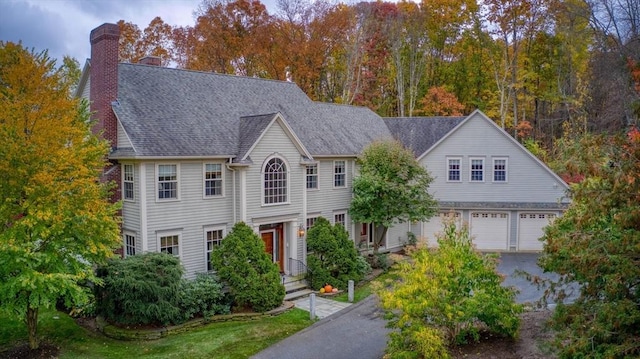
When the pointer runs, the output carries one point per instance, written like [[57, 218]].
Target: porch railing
[[297, 268]]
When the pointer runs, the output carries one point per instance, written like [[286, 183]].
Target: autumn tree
[[55, 218], [157, 39], [392, 187], [596, 244], [440, 102]]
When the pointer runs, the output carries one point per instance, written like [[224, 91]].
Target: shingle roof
[[173, 112], [421, 133], [250, 129]]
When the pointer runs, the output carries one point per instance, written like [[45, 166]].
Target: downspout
[[234, 189]]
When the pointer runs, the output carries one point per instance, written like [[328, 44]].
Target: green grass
[[239, 339]]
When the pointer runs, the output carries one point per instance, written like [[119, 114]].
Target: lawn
[[235, 339]]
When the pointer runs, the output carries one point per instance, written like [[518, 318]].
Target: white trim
[[448, 168], [288, 131], [484, 167], [307, 175], [274, 232], [243, 195], [204, 180], [206, 229], [133, 182], [126, 233], [177, 198], [170, 233], [142, 190], [288, 180], [506, 169], [333, 177]]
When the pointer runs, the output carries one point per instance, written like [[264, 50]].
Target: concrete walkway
[[324, 307]]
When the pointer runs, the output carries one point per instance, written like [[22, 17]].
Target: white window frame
[[165, 234], [449, 159], [128, 181], [207, 251], [340, 213], [287, 180], [310, 221], [126, 235], [205, 180], [342, 174], [177, 181], [471, 170], [312, 175], [506, 169]]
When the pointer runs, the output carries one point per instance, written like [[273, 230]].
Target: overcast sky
[[63, 26]]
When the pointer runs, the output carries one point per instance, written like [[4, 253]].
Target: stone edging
[[119, 333]]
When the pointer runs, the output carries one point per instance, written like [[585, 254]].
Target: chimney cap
[[105, 31]]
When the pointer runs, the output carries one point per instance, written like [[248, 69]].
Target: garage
[[435, 225], [531, 228], [490, 230]]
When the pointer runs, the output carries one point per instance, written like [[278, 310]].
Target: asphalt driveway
[[359, 331]]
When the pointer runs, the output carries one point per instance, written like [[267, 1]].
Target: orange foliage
[[440, 102], [524, 129]]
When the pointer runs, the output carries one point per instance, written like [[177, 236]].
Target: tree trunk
[[32, 326], [378, 240]]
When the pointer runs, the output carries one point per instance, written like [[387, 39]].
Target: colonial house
[[193, 153]]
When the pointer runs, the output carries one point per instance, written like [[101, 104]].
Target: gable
[[529, 180], [253, 129]]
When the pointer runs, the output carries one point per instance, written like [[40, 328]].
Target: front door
[[273, 244]]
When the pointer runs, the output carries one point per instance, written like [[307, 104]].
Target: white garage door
[[490, 230], [435, 226], [531, 228]]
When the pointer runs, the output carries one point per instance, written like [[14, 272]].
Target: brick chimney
[[151, 60], [104, 79], [103, 91]]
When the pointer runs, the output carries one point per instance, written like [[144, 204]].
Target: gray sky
[[63, 26]]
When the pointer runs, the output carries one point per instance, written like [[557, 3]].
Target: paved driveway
[[359, 331]]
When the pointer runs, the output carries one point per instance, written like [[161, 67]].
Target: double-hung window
[[339, 173], [499, 170], [275, 181], [167, 181], [129, 245], [340, 218], [476, 169], [454, 170], [170, 244], [312, 176], [212, 179], [311, 221], [213, 238], [127, 182]]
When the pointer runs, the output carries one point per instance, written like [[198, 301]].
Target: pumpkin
[[335, 290], [321, 290], [328, 288]]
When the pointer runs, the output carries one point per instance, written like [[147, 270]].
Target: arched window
[[275, 181]]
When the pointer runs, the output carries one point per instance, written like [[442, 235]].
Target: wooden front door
[[273, 244]]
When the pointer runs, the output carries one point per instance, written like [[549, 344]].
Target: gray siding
[[123, 140], [188, 215], [327, 199], [528, 180], [275, 142]]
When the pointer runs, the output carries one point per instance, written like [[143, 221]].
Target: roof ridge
[[217, 74]]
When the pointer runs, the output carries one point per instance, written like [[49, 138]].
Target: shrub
[[444, 294], [142, 289], [332, 256], [203, 296], [252, 277]]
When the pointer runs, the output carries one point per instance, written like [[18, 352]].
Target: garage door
[[435, 225], [490, 230], [531, 228]]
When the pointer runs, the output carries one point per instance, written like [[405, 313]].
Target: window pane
[[312, 176], [339, 173], [477, 170], [213, 179], [275, 181], [167, 181], [454, 170], [500, 170]]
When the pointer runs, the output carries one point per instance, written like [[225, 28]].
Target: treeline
[[538, 67]]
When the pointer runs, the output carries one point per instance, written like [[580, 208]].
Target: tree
[[332, 256], [440, 102], [392, 188], [445, 296], [596, 244], [242, 263], [56, 221]]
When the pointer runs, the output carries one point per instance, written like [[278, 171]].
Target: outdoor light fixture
[[301, 231]]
